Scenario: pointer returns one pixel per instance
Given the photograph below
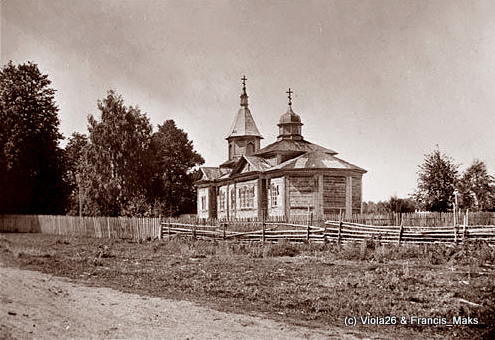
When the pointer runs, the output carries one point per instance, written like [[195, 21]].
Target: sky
[[381, 82]]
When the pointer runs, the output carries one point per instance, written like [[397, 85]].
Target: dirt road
[[39, 306]]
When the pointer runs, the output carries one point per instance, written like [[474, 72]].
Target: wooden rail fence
[[352, 232], [268, 231], [334, 231]]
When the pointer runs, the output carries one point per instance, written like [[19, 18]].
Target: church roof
[[255, 164], [244, 124], [317, 160], [211, 173], [292, 146]]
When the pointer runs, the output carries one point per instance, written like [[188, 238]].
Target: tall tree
[[437, 179], [114, 170], [173, 158], [31, 162], [74, 155], [476, 187]]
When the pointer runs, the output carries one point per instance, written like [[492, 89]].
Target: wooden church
[[287, 178]]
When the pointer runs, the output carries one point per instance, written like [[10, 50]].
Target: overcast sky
[[380, 82]]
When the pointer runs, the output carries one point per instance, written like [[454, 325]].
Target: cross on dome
[[290, 97]]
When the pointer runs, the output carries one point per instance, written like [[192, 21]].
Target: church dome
[[289, 124], [289, 117]]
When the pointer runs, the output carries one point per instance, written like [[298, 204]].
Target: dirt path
[[39, 306]]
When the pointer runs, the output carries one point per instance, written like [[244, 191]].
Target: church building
[[287, 178]]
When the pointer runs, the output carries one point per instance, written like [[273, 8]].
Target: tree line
[[441, 187], [121, 168]]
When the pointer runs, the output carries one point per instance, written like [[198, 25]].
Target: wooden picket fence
[[136, 228]]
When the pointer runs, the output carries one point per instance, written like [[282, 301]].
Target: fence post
[[464, 233], [325, 239], [225, 230], [401, 231], [263, 231], [339, 237], [310, 220]]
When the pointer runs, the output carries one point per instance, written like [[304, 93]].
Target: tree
[[401, 205], [113, 171], [437, 180], [475, 187], [375, 208], [31, 162], [173, 158], [74, 155]]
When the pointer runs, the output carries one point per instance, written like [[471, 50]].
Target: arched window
[[249, 149], [230, 151]]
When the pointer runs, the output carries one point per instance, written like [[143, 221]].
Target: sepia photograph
[[243, 169]]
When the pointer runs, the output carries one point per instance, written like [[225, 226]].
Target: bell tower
[[244, 137]]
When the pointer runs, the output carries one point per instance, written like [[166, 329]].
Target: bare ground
[[34, 305], [71, 288]]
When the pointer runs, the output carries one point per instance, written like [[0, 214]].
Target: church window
[[249, 149], [274, 195], [221, 200], [203, 203], [232, 198], [246, 197]]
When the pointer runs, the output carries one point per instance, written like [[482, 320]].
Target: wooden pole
[[108, 225], [455, 219], [310, 220], [401, 231], [160, 236], [224, 231], [464, 234]]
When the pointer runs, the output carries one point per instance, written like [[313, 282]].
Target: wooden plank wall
[[334, 190]]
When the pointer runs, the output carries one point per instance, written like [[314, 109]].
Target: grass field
[[427, 287]]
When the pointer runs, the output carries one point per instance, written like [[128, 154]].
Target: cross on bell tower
[[244, 96]]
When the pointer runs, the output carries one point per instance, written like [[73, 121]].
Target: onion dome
[[289, 123]]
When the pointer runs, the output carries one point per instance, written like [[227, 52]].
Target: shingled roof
[[244, 124], [211, 173], [292, 146], [255, 163], [317, 160]]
